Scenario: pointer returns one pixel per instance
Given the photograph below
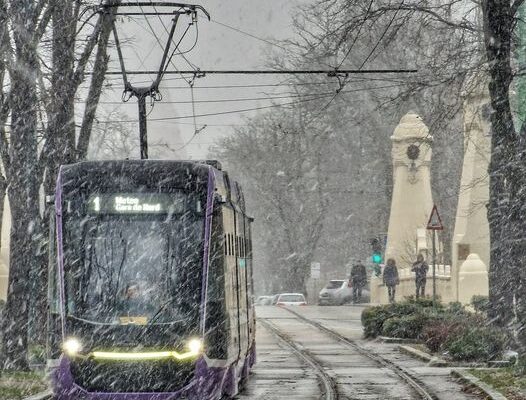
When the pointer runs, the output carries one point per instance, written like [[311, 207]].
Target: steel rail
[[330, 390], [418, 386]]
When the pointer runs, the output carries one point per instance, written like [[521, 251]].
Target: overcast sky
[[218, 47]]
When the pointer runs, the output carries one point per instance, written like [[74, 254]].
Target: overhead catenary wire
[[330, 72], [227, 100], [283, 83], [365, 60], [249, 34], [221, 112], [192, 81], [160, 44], [249, 86]]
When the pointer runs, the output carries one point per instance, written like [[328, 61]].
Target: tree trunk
[[23, 190], [507, 179], [497, 31], [99, 70]]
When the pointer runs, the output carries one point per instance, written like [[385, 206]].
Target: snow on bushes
[[454, 330]]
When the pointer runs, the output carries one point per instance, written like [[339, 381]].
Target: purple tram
[[150, 282]]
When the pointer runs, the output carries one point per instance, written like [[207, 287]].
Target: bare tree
[[22, 172], [280, 164], [112, 139], [29, 158]]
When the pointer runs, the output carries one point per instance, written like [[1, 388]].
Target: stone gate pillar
[[412, 200], [471, 234]]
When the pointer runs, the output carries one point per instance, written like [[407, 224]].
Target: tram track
[[327, 382], [418, 387]]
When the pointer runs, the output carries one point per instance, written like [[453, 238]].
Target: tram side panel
[[231, 289], [242, 285], [250, 282]]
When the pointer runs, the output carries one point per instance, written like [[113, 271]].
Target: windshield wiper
[[89, 321]]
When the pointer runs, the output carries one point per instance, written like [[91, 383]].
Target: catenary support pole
[[143, 134]]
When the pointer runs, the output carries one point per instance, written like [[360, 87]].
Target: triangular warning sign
[[435, 222]]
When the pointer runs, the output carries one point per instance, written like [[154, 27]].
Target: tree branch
[[84, 58], [97, 80], [4, 143], [515, 7], [434, 14], [43, 23]]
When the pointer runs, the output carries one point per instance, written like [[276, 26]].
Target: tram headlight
[[72, 346], [195, 346]]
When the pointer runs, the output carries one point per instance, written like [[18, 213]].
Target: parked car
[[264, 300], [291, 299], [336, 292]]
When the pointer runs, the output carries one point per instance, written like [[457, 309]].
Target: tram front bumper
[[205, 384]]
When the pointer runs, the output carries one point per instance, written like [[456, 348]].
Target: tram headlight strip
[[194, 346]]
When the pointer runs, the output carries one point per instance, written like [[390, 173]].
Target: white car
[[337, 292], [264, 300], [291, 299]]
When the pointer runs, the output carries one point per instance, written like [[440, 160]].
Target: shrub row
[[460, 334]]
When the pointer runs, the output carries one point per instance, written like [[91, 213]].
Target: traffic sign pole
[[434, 224], [434, 269]]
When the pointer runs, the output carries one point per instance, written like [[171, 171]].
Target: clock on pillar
[[413, 151]]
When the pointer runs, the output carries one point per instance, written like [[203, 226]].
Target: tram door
[[250, 281], [241, 268]]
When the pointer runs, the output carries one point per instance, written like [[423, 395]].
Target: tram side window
[[217, 323], [216, 274]]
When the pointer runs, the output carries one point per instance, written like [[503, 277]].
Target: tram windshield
[[133, 258]]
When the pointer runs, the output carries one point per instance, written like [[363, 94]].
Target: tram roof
[[130, 173], [197, 166]]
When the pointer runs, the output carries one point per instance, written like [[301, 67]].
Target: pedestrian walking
[[390, 278], [358, 279], [420, 269]]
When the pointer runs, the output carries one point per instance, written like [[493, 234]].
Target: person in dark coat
[[390, 278], [134, 302], [358, 280], [420, 269]]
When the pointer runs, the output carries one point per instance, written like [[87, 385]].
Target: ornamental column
[[412, 200]]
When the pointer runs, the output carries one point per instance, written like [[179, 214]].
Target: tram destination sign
[[136, 203]]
